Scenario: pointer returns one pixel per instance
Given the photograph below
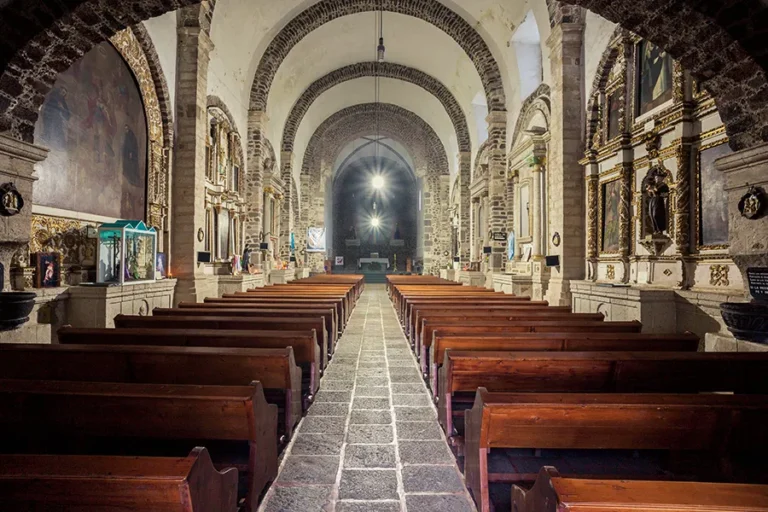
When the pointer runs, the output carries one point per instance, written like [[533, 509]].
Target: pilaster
[[465, 177], [254, 182], [188, 188], [565, 183]]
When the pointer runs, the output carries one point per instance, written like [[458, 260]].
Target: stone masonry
[[371, 441]]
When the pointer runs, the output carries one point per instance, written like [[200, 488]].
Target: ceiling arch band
[[384, 70]]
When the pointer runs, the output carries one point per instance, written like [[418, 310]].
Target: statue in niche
[[397, 235], [352, 234], [657, 199]]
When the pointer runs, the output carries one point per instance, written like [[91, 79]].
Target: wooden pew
[[256, 310], [255, 322], [275, 368], [463, 372], [553, 492], [234, 423], [723, 436], [460, 302], [576, 322], [346, 293], [297, 302], [177, 333], [415, 310], [330, 279], [71, 483], [525, 310], [554, 341]]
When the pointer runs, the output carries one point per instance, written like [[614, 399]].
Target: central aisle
[[371, 441]]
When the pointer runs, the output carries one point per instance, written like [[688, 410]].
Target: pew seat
[[554, 492], [75, 483], [234, 423]]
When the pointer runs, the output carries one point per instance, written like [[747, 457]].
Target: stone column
[[745, 169], [517, 220], [565, 185], [537, 171], [188, 189], [17, 166], [286, 174], [254, 179], [465, 176], [475, 205], [497, 189]]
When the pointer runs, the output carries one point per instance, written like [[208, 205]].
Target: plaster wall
[[597, 34], [162, 30]]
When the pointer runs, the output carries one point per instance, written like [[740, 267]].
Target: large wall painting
[[713, 203], [611, 228], [655, 77], [94, 123]]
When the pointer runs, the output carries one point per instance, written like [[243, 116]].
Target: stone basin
[[748, 321], [15, 308]]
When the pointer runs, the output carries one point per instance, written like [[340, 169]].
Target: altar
[[368, 262]]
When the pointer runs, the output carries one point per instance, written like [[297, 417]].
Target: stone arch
[[430, 11], [723, 47], [482, 158], [143, 62], [538, 101], [42, 38], [386, 70], [427, 151], [604, 67]]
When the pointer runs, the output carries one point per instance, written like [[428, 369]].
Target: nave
[[371, 441]]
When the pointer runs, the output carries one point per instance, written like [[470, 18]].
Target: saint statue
[[352, 235], [658, 193], [398, 236]]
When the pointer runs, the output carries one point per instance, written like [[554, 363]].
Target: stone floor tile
[[367, 456], [411, 379], [323, 425], [317, 444], [401, 388], [438, 503], [422, 400], [432, 479], [380, 392], [425, 452], [419, 431], [309, 498], [364, 417], [415, 414], [372, 381], [368, 485], [302, 469], [370, 403], [368, 506], [328, 409], [333, 396], [370, 434], [336, 385]]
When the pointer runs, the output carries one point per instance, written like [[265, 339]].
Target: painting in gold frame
[[610, 229], [654, 77], [712, 203]]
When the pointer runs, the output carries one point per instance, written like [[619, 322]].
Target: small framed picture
[[47, 269], [161, 268], [339, 261]]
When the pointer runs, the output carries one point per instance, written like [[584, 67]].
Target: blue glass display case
[[127, 252]]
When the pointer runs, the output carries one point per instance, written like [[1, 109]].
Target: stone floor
[[371, 441]]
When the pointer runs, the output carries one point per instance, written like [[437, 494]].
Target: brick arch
[[431, 11], [529, 107], [394, 122], [158, 77], [216, 102], [721, 43], [42, 38], [386, 70]]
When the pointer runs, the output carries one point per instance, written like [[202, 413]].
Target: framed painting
[[316, 240], [47, 269], [613, 125], [611, 222], [712, 202], [654, 77], [224, 234]]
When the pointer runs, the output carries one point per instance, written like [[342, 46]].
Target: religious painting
[[47, 269], [94, 123], [713, 202], [316, 240], [614, 114], [611, 222], [654, 77], [224, 234]]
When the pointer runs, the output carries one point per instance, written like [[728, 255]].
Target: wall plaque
[[11, 201], [499, 236], [758, 283]]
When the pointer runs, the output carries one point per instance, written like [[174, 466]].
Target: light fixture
[[381, 50], [378, 182], [375, 222]]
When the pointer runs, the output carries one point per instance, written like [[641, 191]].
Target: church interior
[[383, 255]]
